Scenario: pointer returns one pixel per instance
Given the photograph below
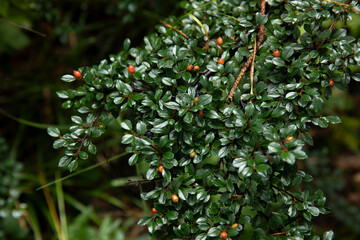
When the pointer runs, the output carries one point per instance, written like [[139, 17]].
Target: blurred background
[[97, 203]]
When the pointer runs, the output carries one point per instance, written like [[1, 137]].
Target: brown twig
[[169, 26], [261, 37], [157, 149], [252, 72], [280, 233], [86, 135], [22, 27], [143, 180], [288, 193]]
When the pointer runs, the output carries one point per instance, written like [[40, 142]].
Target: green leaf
[[64, 161], [126, 124], [287, 52], [133, 159], [83, 155], [141, 128], [292, 211], [92, 148], [204, 99], [172, 215], [128, 138], [53, 132], [68, 78], [314, 211], [333, 119], [168, 155], [127, 43], [329, 235], [76, 119], [214, 232], [172, 105], [144, 220], [288, 157], [59, 143], [262, 167]]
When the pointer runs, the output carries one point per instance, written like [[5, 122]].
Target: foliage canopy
[[244, 168]]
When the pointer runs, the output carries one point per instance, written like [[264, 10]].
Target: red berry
[[174, 198], [201, 114], [223, 236], [189, 68], [77, 74], [161, 168], [290, 138], [331, 83], [154, 210], [196, 68], [219, 41], [220, 61], [276, 53], [131, 69]]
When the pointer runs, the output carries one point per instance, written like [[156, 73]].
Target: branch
[[288, 193], [280, 233], [157, 149], [169, 26], [261, 37], [86, 135], [143, 180]]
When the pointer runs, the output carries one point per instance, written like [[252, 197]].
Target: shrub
[[221, 139]]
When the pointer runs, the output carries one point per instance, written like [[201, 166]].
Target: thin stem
[[145, 207], [22, 27]]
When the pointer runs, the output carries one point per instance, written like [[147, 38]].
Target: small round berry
[[174, 198], [331, 83], [223, 236], [233, 38], [131, 69], [201, 114], [77, 74], [154, 210], [219, 41], [276, 53], [290, 138], [196, 68], [161, 168], [235, 226], [196, 99], [192, 154], [220, 61], [189, 68]]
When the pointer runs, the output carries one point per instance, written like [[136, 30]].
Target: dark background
[[98, 204]]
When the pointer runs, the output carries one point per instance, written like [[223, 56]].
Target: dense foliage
[[227, 168]]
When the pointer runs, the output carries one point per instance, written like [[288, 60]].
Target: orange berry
[[276, 53], [196, 68], [331, 83], [154, 210], [174, 198], [290, 138], [219, 41], [232, 38], [220, 61], [77, 74], [196, 99], [223, 236], [189, 68], [235, 226], [192, 154], [201, 114], [131, 69], [161, 168]]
